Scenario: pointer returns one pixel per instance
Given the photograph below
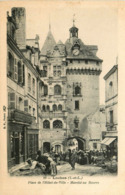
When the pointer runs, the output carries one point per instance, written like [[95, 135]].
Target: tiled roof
[[48, 44]]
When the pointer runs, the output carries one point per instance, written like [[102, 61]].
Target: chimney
[[19, 15]]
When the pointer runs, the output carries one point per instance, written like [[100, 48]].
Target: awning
[[108, 141], [104, 140]]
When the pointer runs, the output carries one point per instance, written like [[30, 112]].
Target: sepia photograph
[[62, 120], [57, 122]]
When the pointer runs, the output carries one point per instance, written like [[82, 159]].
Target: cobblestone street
[[65, 169], [88, 170]]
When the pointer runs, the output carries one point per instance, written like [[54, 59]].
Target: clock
[[76, 51]]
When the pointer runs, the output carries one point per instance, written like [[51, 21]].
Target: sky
[[98, 25]]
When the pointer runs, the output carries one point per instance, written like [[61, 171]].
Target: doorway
[[46, 147]]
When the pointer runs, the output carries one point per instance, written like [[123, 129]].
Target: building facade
[[22, 83], [111, 106], [53, 94], [71, 72]]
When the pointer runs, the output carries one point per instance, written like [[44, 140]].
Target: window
[[30, 109], [76, 105], [111, 116], [40, 89], [12, 100], [48, 108], [57, 124], [70, 61], [44, 108], [77, 90], [34, 112], [45, 90], [20, 73], [60, 107], [46, 124], [26, 106], [57, 90], [33, 82], [54, 107], [95, 145], [111, 83], [29, 82], [10, 66], [45, 71], [56, 71], [20, 103]]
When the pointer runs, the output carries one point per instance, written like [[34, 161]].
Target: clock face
[[76, 52]]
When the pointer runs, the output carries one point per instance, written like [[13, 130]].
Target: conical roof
[[48, 44], [60, 42]]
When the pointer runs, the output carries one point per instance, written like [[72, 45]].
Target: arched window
[[60, 107], [48, 108], [46, 124], [57, 124], [77, 90], [54, 107], [57, 90], [44, 108], [45, 90], [10, 65]]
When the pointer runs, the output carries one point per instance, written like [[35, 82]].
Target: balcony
[[19, 116], [53, 114]]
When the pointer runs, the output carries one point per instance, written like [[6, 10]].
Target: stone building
[[53, 110], [111, 106], [22, 82], [71, 74]]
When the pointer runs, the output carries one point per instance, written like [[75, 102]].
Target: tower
[[19, 15], [83, 70]]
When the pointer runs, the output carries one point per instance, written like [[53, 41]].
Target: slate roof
[[48, 44], [87, 52]]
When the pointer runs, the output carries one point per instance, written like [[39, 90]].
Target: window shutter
[[26, 106], [17, 102], [12, 100], [20, 73], [15, 70]]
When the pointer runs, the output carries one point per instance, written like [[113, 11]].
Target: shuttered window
[[10, 65], [20, 73], [26, 106], [29, 82], [33, 85], [12, 100], [15, 70]]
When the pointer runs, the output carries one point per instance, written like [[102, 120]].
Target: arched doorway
[[81, 142], [81, 145], [46, 147]]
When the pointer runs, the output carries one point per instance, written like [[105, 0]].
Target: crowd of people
[[48, 161]]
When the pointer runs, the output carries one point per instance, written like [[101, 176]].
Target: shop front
[[111, 143], [16, 144]]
